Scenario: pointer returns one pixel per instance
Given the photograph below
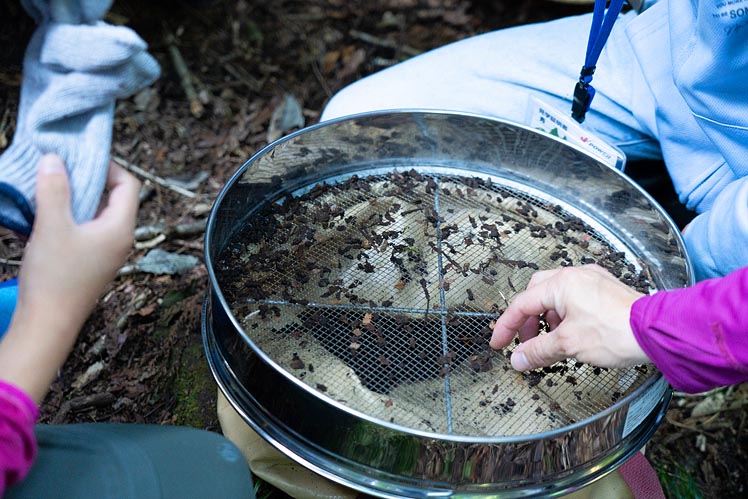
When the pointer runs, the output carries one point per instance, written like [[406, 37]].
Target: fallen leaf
[[711, 404], [286, 116]]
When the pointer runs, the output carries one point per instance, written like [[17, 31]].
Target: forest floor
[[140, 356]]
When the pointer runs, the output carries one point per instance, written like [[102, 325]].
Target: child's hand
[[66, 266], [65, 269], [588, 312]]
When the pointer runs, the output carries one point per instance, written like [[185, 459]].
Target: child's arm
[[65, 269]]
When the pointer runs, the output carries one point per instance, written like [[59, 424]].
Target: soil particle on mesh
[[296, 362]]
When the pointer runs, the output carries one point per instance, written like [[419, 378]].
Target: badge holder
[[547, 118]]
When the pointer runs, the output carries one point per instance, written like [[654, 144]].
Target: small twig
[[193, 245], [191, 228], [185, 78], [321, 79], [127, 270], [251, 314], [383, 62], [687, 427], [425, 288], [148, 232], [4, 120], [191, 184], [701, 395], [3, 126], [83, 403], [244, 78], [366, 37], [146, 191], [504, 297], [151, 242], [711, 418], [153, 178]]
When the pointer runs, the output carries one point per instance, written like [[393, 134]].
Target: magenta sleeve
[[698, 336], [18, 414]]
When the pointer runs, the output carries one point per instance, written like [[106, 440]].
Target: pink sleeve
[[18, 414], [698, 336]]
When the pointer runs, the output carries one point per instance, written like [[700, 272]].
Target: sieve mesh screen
[[379, 292]]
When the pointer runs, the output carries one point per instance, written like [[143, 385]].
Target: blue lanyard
[[602, 24]]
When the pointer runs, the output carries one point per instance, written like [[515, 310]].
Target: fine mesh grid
[[379, 292]]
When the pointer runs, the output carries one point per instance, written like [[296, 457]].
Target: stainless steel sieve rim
[[364, 453], [396, 427]]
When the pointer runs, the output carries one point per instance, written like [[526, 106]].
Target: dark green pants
[[135, 462]]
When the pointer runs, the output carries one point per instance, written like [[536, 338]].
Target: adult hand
[[65, 269], [588, 312]]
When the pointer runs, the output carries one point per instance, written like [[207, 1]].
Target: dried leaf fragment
[[296, 362]]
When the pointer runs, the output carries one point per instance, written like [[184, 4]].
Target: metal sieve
[[356, 269]]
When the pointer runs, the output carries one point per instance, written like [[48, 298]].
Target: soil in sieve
[[356, 264]]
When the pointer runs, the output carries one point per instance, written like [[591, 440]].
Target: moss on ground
[[677, 481], [195, 390]]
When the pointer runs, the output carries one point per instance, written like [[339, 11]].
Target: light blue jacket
[[694, 59]]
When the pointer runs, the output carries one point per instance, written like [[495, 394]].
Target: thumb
[[52, 192], [540, 351]]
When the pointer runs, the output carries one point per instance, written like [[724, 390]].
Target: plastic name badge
[[545, 117]]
